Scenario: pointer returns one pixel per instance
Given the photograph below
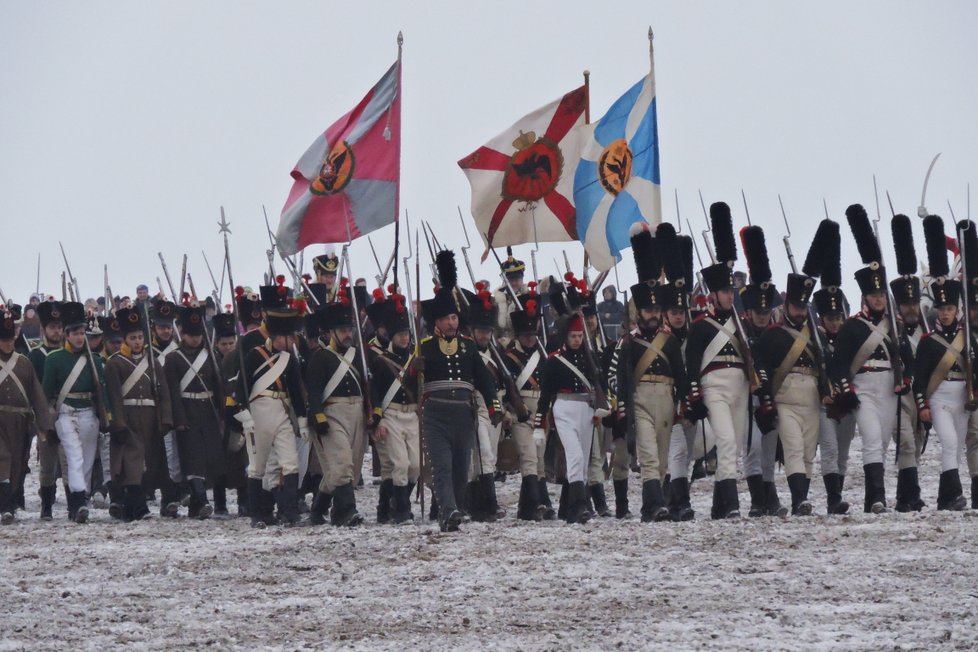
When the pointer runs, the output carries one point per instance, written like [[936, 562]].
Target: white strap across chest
[[528, 369], [139, 370], [725, 334], [345, 365], [194, 370], [277, 365], [577, 372], [70, 382], [170, 348], [7, 371], [397, 384]]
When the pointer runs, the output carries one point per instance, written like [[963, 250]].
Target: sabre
[[270, 252], [71, 277], [921, 210], [746, 210], [920, 311], [108, 311]]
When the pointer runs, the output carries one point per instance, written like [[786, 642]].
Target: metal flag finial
[[224, 224]]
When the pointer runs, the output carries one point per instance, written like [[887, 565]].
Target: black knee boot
[[199, 507], [320, 507], [577, 509], [908, 491], [875, 491], [598, 498], [679, 506], [288, 510], [259, 519], [974, 492], [135, 501], [653, 502], [833, 494], [528, 506], [78, 507], [546, 506], [773, 505], [758, 499], [220, 498], [564, 505], [117, 502], [621, 499], [949, 493], [344, 511], [798, 485], [6, 504], [402, 503], [731, 500], [384, 501], [488, 488], [47, 501]]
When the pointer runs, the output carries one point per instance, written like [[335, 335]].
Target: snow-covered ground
[[897, 581]]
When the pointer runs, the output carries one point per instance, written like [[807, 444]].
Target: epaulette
[[553, 354]]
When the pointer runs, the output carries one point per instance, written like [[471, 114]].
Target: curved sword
[[921, 210]]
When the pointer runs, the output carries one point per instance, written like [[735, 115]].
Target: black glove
[[766, 416], [229, 412], [320, 424]]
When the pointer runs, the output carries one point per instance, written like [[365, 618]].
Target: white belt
[[877, 364], [403, 407], [197, 396], [268, 393], [347, 400], [139, 402], [80, 396], [530, 393], [583, 398]]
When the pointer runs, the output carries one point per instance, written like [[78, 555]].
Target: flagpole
[[651, 51], [587, 97], [397, 186]]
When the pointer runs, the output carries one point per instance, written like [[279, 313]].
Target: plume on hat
[[831, 255], [644, 249], [668, 245], [447, 270], [906, 255], [755, 251], [721, 223], [862, 232], [936, 246], [816, 261]]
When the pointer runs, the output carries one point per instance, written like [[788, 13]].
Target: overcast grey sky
[[125, 125]]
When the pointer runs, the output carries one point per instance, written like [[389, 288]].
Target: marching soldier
[[481, 490], [788, 357], [865, 363], [395, 401], [940, 386], [48, 446], [22, 406], [161, 319], [567, 392], [646, 373], [715, 362], [905, 290], [452, 373], [969, 255], [604, 439], [196, 391], [137, 387], [325, 268], [514, 271], [336, 395], [72, 379], [835, 430], [271, 391], [759, 298], [235, 454], [525, 360]]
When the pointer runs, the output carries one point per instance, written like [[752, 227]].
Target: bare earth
[[896, 581]]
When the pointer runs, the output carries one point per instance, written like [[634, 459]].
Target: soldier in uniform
[[164, 341], [514, 271], [604, 439], [22, 406], [835, 431], [646, 374], [112, 336], [325, 268], [865, 363], [235, 454], [72, 379], [568, 393], [48, 447], [272, 392], [905, 290], [395, 406], [196, 391], [137, 388], [715, 363], [525, 359], [335, 388], [481, 489], [940, 386], [759, 298], [452, 373], [969, 254], [788, 356]]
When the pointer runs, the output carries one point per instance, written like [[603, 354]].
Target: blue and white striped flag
[[617, 178]]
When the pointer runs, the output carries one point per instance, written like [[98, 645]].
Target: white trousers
[[576, 431], [485, 453], [950, 421], [273, 430], [726, 395], [876, 414], [78, 431], [172, 456], [834, 439]]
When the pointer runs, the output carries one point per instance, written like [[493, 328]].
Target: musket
[[823, 376], [417, 356], [896, 362], [407, 280], [297, 279], [216, 294], [3, 297], [108, 292], [971, 403], [64, 287], [213, 356], [431, 254], [706, 233], [159, 284], [358, 329], [382, 271], [225, 230], [154, 380], [183, 279], [177, 298], [71, 277], [270, 252], [511, 389]]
